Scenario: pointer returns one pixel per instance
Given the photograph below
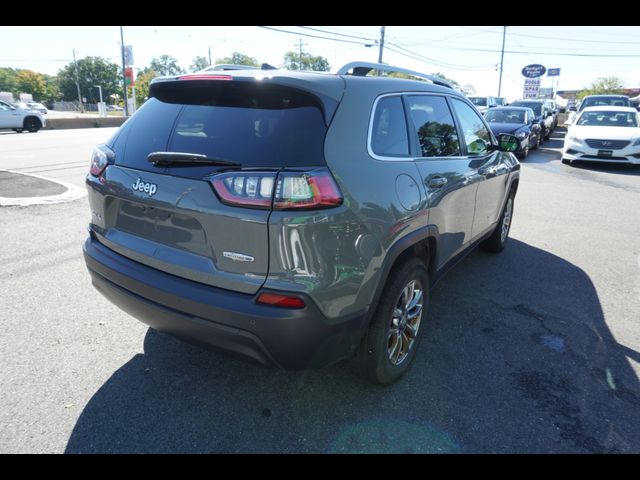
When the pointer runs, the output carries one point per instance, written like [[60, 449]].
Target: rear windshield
[[266, 127]]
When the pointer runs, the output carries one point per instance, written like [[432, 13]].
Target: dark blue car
[[518, 121]]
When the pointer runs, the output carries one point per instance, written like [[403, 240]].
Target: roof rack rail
[[360, 69]]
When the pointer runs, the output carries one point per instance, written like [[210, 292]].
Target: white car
[[20, 119], [604, 134], [37, 106]]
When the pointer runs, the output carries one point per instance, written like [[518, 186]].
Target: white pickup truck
[[20, 119]]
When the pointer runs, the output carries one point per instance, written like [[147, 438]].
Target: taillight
[[312, 189], [100, 158], [277, 300], [245, 189], [308, 190]]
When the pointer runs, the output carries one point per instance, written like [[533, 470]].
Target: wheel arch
[[423, 244]]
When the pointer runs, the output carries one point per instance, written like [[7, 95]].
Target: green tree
[[52, 88], [604, 85], [91, 71], [238, 58], [142, 85], [9, 80], [33, 83], [199, 63], [165, 65], [306, 61]]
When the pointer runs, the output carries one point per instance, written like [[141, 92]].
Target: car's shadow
[[516, 357]]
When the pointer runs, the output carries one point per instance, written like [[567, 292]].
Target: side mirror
[[508, 143]]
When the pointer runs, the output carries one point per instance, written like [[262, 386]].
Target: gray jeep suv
[[295, 218]]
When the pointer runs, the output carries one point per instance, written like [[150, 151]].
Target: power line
[[423, 60], [334, 33], [310, 35], [556, 38], [565, 54], [437, 62]]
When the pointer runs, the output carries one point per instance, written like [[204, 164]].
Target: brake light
[[276, 300], [100, 159], [312, 189], [205, 77]]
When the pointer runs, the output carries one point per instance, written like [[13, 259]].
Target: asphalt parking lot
[[533, 350]]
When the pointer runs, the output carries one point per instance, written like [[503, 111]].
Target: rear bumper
[[221, 319]]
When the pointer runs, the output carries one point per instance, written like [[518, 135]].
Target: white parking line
[[73, 192]]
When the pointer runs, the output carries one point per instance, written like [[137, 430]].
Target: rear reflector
[[205, 77], [286, 301]]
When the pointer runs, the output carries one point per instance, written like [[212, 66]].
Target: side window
[[4, 107], [389, 134], [434, 125], [476, 135]]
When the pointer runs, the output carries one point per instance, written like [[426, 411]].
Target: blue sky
[[468, 54]]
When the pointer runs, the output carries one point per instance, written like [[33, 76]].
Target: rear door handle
[[437, 182]]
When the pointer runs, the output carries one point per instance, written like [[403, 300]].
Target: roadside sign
[[128, 77], [533, 71], [531, 87], [128, 55], [553, 72]]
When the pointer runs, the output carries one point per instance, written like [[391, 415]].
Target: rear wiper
[[186, 159]]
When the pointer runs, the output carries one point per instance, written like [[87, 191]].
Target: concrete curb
[[91, 122], [73, 193]]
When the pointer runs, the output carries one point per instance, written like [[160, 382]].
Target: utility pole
[[381, 47], [75, 64], [209, 56], [124, 79], [504, 33], [300, 54]]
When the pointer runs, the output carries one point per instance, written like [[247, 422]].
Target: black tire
[[375, 354], [566, 162], [547, 134], [497, 241], [32, 124]]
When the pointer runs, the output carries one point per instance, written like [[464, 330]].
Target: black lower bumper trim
[[212, 317]]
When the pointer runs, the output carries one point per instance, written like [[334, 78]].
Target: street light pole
[[124, 79], [101, 103]]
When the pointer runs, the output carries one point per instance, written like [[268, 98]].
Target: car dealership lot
[[535, 350]]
